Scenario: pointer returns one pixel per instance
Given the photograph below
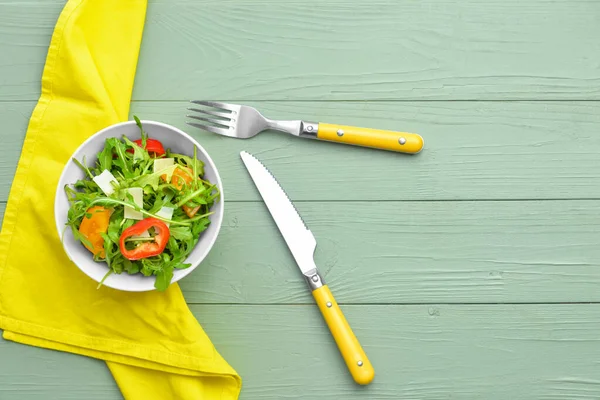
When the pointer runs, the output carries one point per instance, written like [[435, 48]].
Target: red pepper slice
[[145, 249], [152, 146]]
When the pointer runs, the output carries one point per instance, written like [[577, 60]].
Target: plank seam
[[400, 304], [582, 199], [520, 100]]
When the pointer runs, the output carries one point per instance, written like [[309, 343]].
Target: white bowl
[[172, 138]]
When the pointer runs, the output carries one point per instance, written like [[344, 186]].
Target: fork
[[243, 122]]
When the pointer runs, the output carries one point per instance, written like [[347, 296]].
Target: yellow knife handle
[[359, 365], [401, 142]]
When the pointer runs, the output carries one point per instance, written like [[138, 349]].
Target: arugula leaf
[[163, 278], [87, 186], [143, 133], [83, 167], [114, 225], [118, 267], [195, 170], [105, 157], [122, 161], [182, 233], [131, 267], [160, 201], [109, 273], [138, 152], [190, 196], [107, 248], [193, 163], [153, 179], [138, 122]]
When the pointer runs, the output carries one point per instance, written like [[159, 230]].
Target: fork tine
[[221, 122], [211, 112], [215, 104], [213, 129]]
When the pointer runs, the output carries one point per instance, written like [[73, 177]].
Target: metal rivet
[[328, 304], [402, 140], [340, 132], [309, 128], [360, 364], [315, 278]]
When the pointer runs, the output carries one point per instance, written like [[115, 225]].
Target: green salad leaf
[[185, 190]]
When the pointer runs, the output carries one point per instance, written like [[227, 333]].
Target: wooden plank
[[419, 352], [25, 31], [473, 150], [422, 252], [408, 253], [34, 373], [315, 49], [364, 50], [15, 119]]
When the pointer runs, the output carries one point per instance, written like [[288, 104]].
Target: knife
[[302, 244]]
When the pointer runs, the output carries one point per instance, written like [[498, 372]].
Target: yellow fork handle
[[359, 365], [401, 142]]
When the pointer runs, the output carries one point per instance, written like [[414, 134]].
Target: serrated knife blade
[[299, 239], [302, 243]]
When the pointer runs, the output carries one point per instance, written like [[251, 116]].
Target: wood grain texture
[[409, 253], [448, 252], [14, 117], [435, 352], [336, 50], [25, 31], [473, 150], [28, 372], [501, 206]]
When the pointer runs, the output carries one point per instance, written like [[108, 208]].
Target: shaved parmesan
[[138, 199], [164, 163], [166, 213], [104, 182]]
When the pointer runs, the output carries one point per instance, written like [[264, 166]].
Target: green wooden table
[[470, 271]]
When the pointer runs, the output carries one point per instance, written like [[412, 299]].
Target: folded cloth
[[151, 342]]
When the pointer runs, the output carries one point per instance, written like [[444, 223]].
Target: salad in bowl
[[139, 209]]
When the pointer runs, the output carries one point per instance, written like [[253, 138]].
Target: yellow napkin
[[151, 342]]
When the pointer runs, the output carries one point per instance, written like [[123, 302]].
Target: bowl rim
[[151, 279]]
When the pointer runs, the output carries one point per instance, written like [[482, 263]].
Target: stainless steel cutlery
[[243, 122], [302, 244]]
